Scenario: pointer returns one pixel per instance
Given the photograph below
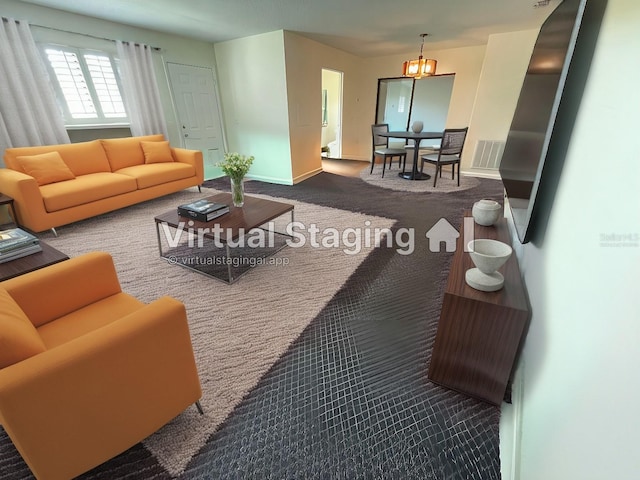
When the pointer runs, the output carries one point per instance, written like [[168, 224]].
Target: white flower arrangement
[[236, 166]]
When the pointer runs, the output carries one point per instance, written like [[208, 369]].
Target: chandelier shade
[[421, 67]]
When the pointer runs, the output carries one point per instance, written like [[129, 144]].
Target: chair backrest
[[453, 141], [377, 139]]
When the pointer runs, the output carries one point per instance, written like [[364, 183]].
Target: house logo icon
[[442, 232]]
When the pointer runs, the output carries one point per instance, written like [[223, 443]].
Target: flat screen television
[[547, 107]]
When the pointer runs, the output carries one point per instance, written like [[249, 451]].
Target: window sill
[[92, 126]]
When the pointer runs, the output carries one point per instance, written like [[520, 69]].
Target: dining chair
[[380, 148], [448, 154]]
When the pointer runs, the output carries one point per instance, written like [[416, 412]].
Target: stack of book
[[16, 243], [203, 210]]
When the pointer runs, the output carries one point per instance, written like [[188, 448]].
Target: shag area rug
[[392, 181], [239, 330]]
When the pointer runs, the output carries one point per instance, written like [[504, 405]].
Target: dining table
[[417, 137]]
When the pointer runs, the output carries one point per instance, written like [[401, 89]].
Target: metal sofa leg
[[199, 407], [53, 230]]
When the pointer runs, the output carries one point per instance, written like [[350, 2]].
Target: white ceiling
[[363, 27]]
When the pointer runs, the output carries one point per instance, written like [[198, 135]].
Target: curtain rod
[[4, 19]]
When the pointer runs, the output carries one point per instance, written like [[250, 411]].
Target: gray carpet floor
[[350, 398]]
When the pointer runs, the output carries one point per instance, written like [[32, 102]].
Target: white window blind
[[87, 86]]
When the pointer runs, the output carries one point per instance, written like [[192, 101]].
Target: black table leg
[[414, 174]]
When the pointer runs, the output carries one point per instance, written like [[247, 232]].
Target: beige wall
[[465, 62], [305, 60], [304, 87], [505, 64]]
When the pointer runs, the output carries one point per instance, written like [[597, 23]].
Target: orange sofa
[[55, 185], [87, 371]]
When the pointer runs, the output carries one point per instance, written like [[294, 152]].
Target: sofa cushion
[[127, 152], [19, 339], [157, 152], [81, 158], [85, 189], [153, 174], [46, 168]]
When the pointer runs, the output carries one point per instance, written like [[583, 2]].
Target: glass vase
[[237, 192]]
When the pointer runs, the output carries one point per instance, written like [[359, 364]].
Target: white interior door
[[195, 95]]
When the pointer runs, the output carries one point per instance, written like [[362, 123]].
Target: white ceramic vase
[[417, 126], [488, 256], [486, 212]]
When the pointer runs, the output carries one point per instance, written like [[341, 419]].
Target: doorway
[[195, 95], [331, 139]]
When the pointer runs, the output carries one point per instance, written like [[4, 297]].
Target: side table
[[20, 266], [480, 333], [7, 200]]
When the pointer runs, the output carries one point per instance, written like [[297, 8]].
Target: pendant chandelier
[[420, 67]]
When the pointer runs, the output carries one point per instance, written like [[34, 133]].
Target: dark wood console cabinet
[[480, 333]]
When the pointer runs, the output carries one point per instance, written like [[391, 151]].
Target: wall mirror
[[403, 100]]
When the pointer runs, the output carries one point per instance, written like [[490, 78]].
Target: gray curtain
[[141, 94], [29, 114]]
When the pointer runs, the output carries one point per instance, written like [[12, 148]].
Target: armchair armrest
[[64, 287], [192, 157], [25, 191], [72, 407]]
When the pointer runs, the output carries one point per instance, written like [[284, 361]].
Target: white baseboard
[[304, 176], [510, 430], [267, 179]]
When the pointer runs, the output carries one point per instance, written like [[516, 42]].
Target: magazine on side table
[[16, 243]]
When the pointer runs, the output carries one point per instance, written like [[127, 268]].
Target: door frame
[[340, 105]]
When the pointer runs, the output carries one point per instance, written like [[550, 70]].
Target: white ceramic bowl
[[488, 255], [486, 212]]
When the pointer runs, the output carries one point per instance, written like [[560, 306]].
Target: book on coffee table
[[203, 210]]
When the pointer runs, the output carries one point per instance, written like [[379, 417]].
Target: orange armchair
[[87, 371]]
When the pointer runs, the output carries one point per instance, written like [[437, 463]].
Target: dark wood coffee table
[[19, 266], [221, 248]]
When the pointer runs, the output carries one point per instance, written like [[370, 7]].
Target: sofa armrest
[[192, 157], [25, 191], [64, 287], [76, 405]]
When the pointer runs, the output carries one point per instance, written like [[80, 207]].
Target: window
[[87, 86], [401, 102]]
